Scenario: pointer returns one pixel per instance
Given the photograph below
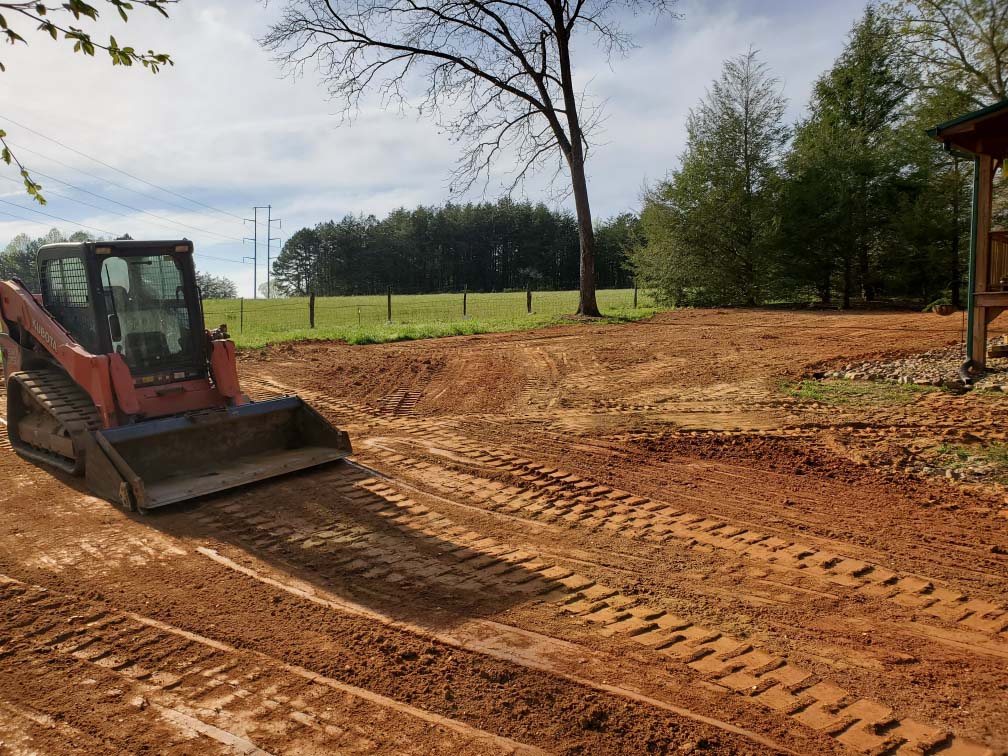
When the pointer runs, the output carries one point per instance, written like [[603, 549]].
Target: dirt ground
[[633, 539]]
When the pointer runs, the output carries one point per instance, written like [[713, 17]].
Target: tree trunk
[[574, 152], [823, 290], [586, 235], [847, 282], [864, 272]]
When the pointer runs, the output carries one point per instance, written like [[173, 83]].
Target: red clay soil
[[581, 540]]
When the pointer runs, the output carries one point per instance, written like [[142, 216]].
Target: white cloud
[[224, 128]]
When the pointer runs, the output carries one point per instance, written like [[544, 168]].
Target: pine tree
[[711, 228]]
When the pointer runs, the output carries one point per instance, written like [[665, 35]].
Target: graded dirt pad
[[583, 540]]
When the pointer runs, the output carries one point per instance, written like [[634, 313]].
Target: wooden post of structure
[[358, 317], [241, 315], [985, 191], [635, 292], [389, 304], [465, 294], [311, 310], [528, 298]]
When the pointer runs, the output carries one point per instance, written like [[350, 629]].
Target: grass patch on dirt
[[364, 319], [389, 332], [958, 455], [855, 392], [993, 457]]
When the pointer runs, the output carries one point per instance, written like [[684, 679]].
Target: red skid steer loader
[[111, 374]]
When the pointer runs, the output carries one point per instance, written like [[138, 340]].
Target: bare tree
[[962, 44], [497, 74]]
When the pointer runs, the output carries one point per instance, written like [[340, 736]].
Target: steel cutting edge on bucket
[[159, 462]]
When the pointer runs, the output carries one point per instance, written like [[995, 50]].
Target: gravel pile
[[939, 367]]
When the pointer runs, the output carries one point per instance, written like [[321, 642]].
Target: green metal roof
[[983, 131], [975, 115]]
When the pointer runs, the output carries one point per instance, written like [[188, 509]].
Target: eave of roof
[[982, 132]]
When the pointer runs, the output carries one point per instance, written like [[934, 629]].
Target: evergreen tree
[[711, 228], [847, 173]]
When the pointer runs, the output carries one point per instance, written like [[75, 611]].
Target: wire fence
[[297, 313]]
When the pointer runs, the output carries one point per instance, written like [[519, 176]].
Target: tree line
[[853, 202], [499, 246], [19, 260]]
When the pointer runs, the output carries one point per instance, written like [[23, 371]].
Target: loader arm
[[24, 315]]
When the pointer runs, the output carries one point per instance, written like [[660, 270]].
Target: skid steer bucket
[[158, 462]]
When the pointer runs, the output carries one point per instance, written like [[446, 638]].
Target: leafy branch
[[8, 157], [46, 17]]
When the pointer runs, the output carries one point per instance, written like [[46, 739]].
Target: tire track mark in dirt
[[499, 641], [467, 561], [546, 493], [536, 491], [571, 716], [400, 402], [207, 688], [405, 548]]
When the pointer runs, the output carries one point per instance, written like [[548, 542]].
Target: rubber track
[[62, 398], [466, 561]]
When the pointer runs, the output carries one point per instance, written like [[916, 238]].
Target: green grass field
[[364, 319]]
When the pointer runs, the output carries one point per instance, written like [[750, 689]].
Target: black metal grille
[[64, 283], [65, 293], [162, 278]]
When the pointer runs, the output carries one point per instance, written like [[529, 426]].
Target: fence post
[[241, 316], [311, 310], [358, 317], [528, 298], [389, 304], [465, 295], [635, 292]]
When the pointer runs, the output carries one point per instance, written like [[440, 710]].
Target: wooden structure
[[983, 137]]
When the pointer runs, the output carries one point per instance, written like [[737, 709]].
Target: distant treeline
[[498, 246]]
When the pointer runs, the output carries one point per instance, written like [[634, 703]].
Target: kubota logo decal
[[43, 335]]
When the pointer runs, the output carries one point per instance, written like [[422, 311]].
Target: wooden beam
[[991, 299], [983, 200], [978, 349]]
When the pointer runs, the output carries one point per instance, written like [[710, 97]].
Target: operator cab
[[136, 299]]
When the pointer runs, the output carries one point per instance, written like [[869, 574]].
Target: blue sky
[[225, 131]]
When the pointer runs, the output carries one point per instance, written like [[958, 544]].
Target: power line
[[93, 228], [135, 209], [119, 170], [55, 217], [151, 197], [96, 207]]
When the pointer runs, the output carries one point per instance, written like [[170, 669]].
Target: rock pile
[[938, 367]]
